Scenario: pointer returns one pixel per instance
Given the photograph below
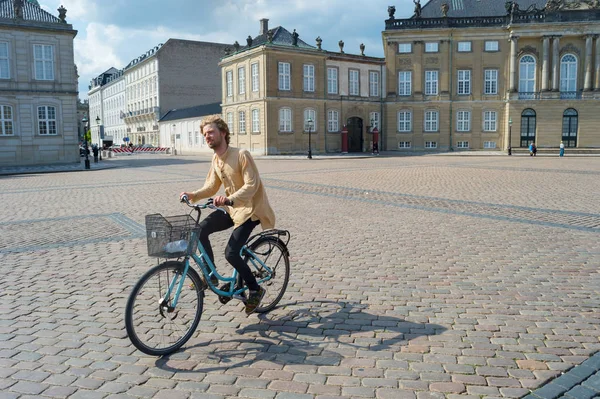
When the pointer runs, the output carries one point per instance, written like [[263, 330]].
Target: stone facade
[[38, 87]]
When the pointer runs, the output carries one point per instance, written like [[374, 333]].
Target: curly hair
[[219, 122]]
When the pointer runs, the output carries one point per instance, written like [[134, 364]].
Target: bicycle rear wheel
[[273, 253], [153, 325]]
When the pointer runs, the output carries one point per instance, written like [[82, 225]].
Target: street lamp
[[509, 135], [85, 137], [309, 122], [99, 137]]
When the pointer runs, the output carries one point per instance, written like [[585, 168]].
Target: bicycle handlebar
[[208, 204]]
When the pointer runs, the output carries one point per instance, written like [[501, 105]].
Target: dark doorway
[[528, 123], [355, 134], [569, 133]]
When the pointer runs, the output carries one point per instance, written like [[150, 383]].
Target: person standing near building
[[562, 149], [531, 145]]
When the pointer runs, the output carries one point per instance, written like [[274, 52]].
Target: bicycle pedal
[[240, 298]]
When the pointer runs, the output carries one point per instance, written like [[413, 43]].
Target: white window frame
[[490, 121], [46, 61], [374, 120], [404, 121], [333, 121], [284, 70], [490, 83], [229, 83], [6, 122], [404, 144], [373, 83], [491, 45], [404, 48], [229, 122], [332, 81], [309, 77], [310, 113], [463, 121], [255, 77], [432, 121], [464, 47], [4, 61], [527, 74], [190, 139], [353, 82], [255, 120], [431, 144], [47, 122], [568, 73], [489, 144], [431, 82], [241, 80], [242, 122], [432, 47], [285, 120], [197, 138], [404, 83], [463, 85], [462, 144]]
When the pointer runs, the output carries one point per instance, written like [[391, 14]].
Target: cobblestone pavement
[[412, 277]]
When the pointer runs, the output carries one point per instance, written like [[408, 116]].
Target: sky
[[111, 33]]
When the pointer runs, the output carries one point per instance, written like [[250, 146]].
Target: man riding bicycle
[[245, 201]]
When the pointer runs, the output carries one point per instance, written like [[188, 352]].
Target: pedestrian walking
[[531, 145], [562, 149]]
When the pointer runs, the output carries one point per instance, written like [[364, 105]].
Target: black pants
[[219, 221]]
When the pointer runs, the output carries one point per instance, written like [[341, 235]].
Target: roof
[[475, 8], [192, 112], [31, 12], [281, 37], [142, 57]]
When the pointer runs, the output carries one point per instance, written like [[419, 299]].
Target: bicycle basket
[[163, 231]]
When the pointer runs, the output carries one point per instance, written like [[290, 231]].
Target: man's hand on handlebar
[[220, 200]]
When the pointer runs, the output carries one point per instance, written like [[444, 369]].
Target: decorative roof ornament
[[270, 36], [62, 14], [341, 44], [236, 46], [249, 41], [319, 41], [445, 7], [362, 49], [417, 8], [391, 11], [18, 8], [295, 38]]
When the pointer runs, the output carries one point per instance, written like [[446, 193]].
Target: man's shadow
[[315, 333]]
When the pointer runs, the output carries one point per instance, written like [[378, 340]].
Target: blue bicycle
[[165, 305]]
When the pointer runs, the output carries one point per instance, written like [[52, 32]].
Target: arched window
[[528, 121], [527, 76], [285, 120], [568, 76], [569, 130]]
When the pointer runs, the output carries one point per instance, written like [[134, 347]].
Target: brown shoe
[[254, 298]]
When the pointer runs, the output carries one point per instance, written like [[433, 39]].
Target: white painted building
[[113, 106], [180, 129]]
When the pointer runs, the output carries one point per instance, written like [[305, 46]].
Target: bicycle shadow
[[318, 333]]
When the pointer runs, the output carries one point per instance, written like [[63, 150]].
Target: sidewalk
[[71, 167]]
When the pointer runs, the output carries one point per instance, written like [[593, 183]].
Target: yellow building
[[468, 74]]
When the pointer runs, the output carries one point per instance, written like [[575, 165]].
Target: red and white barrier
[[133, 150]]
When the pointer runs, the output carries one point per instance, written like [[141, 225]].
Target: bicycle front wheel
[[153, 325], [273, 253]]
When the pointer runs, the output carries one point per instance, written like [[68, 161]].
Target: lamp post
[[309, 122], [85, 141], [375, 133], [99, 137], [509, 135]]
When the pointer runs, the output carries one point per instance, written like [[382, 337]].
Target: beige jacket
[[236, 170]]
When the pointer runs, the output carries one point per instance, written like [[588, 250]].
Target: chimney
[[264, 26]]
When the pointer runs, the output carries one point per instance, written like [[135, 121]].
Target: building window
[[309, 78], [242, 80], [569, 129], [431, 83], [432, 47], [285, 120], [255, 121], [464, 47], [255, 79], [491, 45], [404, 121], [489, 121], [4, 61], [310, 114], [47, 120], [404, 144], [229, 79], [284, 76], [242, 122], [568, 73], [353, 82], [190, 139], [332, 80], [6, 122], [527, 74], [491, 81], [528, 127], [431, 121], [464, 81], [405, 48], [230, 121], [404, 83], [462, 144], [43, 58], [197, 137], [489, 144], [333, 121], [374, 120], [374, 84], [463, 121], [431, 144]]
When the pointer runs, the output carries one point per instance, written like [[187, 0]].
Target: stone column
[[513, 64], [597, 80], [545, 62], [555, 63], [587, 84]]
